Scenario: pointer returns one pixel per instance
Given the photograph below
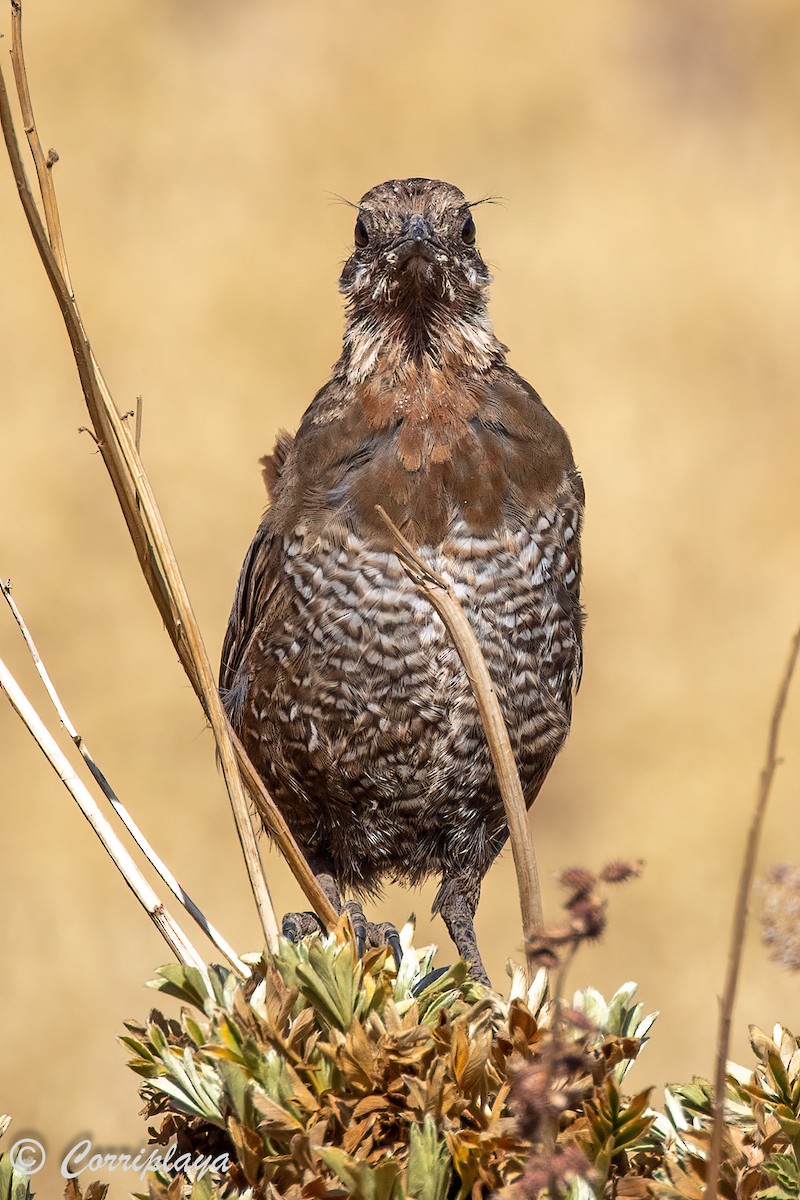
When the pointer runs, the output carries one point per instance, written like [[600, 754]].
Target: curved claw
[[393, 938], [384, 933]]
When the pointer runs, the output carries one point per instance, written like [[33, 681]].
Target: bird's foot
[[371, 935], [297, 925]]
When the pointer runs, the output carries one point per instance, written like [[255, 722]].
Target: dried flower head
[[780, 915], [620, 870], [552, 1084], [532, 1097], [555, 1172], [588, 917], [541, 952], [577, 879]]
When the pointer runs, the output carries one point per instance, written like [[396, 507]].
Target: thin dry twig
[[444, 600], [771, 763], [44, 165], [169, 929], [117, 446], [100, 779]]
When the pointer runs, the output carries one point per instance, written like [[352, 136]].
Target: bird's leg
[[457, 900], [297, 925]]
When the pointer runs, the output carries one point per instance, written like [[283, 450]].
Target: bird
[[336, 673]]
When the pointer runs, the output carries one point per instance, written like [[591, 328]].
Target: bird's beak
[[416, 235], [417, 229]]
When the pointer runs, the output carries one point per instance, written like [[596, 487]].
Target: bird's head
[[415, 282], [415, 245]]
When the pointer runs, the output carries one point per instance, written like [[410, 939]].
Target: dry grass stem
[[44, 164], [169, 929], [100, 779], [740, 919], [444, 600], [117, 446]]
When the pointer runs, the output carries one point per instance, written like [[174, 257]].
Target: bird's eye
[[361, 233], [468, 231]]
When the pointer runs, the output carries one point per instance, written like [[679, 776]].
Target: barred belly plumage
[[371, 715]]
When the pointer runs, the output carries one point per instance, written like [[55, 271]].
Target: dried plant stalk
[[143, 518], [441, 595], [169, 929], [740, 919], [102, 782]]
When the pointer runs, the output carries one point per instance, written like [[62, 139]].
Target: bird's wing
[[544, 485], [255, 591], [572, 506]]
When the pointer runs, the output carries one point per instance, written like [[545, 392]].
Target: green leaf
[[603, 1157], [789, 1125], [782, 1169], [429, 1163], [762, 1045], [330, 981], [778, 1072], [186, 1102], [203, 1190], [235, 1082], [13, 1185], [621, 1011], [591, 1002], [631, 1132], [362, 1181], [580, 1189], [198, 1036], [184, 983], [442, 993]]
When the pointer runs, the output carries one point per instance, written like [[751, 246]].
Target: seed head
[[554, 1173], [620, 870], [588, 917], [578, 880], [542, 953]]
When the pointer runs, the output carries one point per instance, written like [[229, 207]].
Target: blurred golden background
[[647, 262]]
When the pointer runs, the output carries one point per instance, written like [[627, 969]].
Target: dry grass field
[[646, 253]]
